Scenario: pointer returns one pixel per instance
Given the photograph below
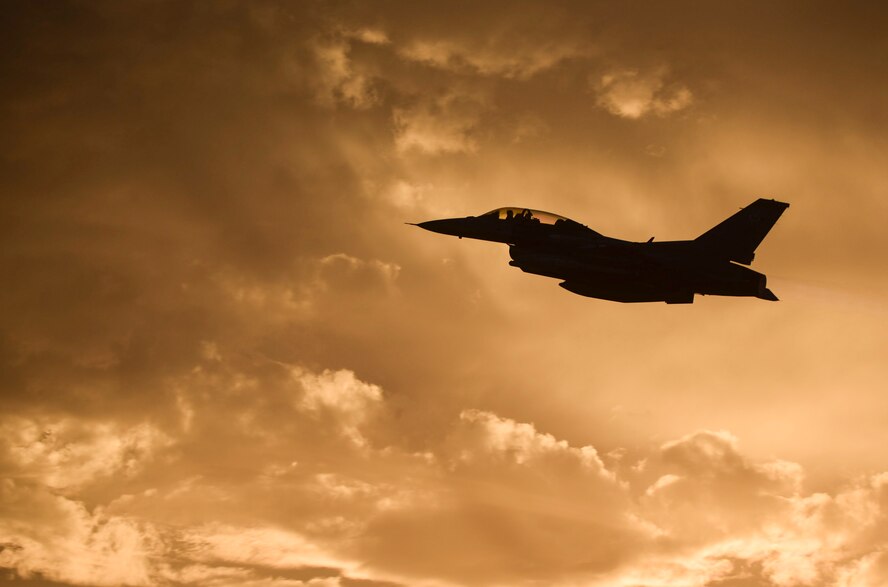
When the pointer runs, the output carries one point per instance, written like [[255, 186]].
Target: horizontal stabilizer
[[736, 238], [767, 294]]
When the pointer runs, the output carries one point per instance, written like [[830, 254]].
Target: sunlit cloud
[[632, 94], [346, 272], [491, 436], [340, 81], [52, 537], [348, 400], [369, 35], [493, 59], [66, 454], [710, 514], [268, 546], [406, 195], [441, 125]]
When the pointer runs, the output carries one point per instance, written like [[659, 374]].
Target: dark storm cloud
[[139, 186]]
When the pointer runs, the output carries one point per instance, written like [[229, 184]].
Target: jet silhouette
[[597, 266]]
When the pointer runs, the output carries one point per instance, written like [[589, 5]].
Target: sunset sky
[[225, 359]]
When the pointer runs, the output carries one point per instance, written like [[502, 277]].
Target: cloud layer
[[511, 504]]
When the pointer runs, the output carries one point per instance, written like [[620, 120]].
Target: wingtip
[[775, 201]]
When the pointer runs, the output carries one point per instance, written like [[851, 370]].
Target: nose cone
[[451, 226], [481, 228]]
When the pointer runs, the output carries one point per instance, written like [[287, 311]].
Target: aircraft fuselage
[[594, 265]]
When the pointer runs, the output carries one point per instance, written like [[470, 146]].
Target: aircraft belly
[[607, 280], [571, 267], [613, 273]]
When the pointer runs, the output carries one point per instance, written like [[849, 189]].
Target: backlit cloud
[[444, 124], [52, 537], [711, 514], [630, 94], [67, 454], [517, 42], [494, 58], [340, 80], [348, 400]]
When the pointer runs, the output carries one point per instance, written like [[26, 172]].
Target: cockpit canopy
[[530, 215], [525, 213]]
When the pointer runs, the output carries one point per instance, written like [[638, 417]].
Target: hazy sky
[[226, 360]]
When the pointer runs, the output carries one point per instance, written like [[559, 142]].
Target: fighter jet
[[597, 266]]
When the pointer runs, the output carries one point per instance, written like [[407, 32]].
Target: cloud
[[67, 454], [406, 195], [716, 453], [511, 41], [487, 436], [512, 503], [340, 395], [340, 80], [56, 538], [628, 93], [369, 35], [812, 540], [725, 517], [247, 546], [496, 57], [528, 127], [303, 294], [698, 511], [438, 126], [707, 468], [344, 272]]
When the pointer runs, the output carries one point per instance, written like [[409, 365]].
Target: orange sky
[[226, 360]]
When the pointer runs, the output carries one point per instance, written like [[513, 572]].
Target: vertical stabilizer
[[736, 238]]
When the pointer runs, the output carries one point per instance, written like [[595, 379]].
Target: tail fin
[[736, 238]]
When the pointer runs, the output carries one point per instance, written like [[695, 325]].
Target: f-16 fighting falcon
[[597, 266]]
